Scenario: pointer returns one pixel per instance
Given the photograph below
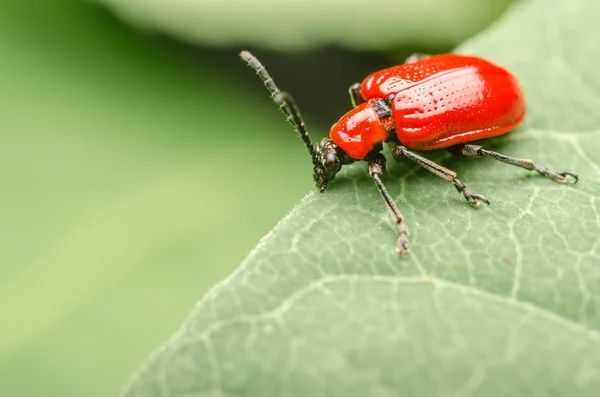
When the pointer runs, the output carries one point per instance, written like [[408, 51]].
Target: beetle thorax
[[361, 129]]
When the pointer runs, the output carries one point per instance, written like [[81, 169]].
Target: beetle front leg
[[355, 95], [401, 153], [376, 169], [479, 151]]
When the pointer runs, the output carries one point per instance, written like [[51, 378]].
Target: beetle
[[429, 102]]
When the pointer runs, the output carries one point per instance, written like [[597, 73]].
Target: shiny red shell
[[437, 102]]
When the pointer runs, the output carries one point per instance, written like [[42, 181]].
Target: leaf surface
[[496, 301]]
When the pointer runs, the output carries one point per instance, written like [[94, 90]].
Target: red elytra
[[429, 103], [436, 102]]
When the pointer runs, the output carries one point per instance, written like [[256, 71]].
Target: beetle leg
[[416, 57], [355, 96], [376, 169], [401, 153], [479, 151]]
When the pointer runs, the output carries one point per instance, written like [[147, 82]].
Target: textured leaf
[[495, 301], [286, 25]]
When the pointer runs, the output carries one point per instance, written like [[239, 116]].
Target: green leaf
[[495, 301], [295, 25]]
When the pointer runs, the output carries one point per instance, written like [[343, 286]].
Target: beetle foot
[[561, 177], [402, 245], [475, 199]]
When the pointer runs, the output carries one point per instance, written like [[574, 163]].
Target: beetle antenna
[[284, 100]]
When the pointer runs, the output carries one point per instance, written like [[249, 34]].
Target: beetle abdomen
[[450, 99]]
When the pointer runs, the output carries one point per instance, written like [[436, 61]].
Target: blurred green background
[[136, 173]]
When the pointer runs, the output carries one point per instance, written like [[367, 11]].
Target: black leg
[[376, 169], [478, 151], [416, 57], [401, 153], [355, 96]]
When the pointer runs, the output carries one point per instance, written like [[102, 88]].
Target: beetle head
[[327, 162]]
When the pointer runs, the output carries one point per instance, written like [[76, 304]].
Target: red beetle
[[430, 102]]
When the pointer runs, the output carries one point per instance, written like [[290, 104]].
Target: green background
[[127, 190]]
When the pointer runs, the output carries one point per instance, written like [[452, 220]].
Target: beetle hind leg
[[561, 177], [401, 153], [478, 151]]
